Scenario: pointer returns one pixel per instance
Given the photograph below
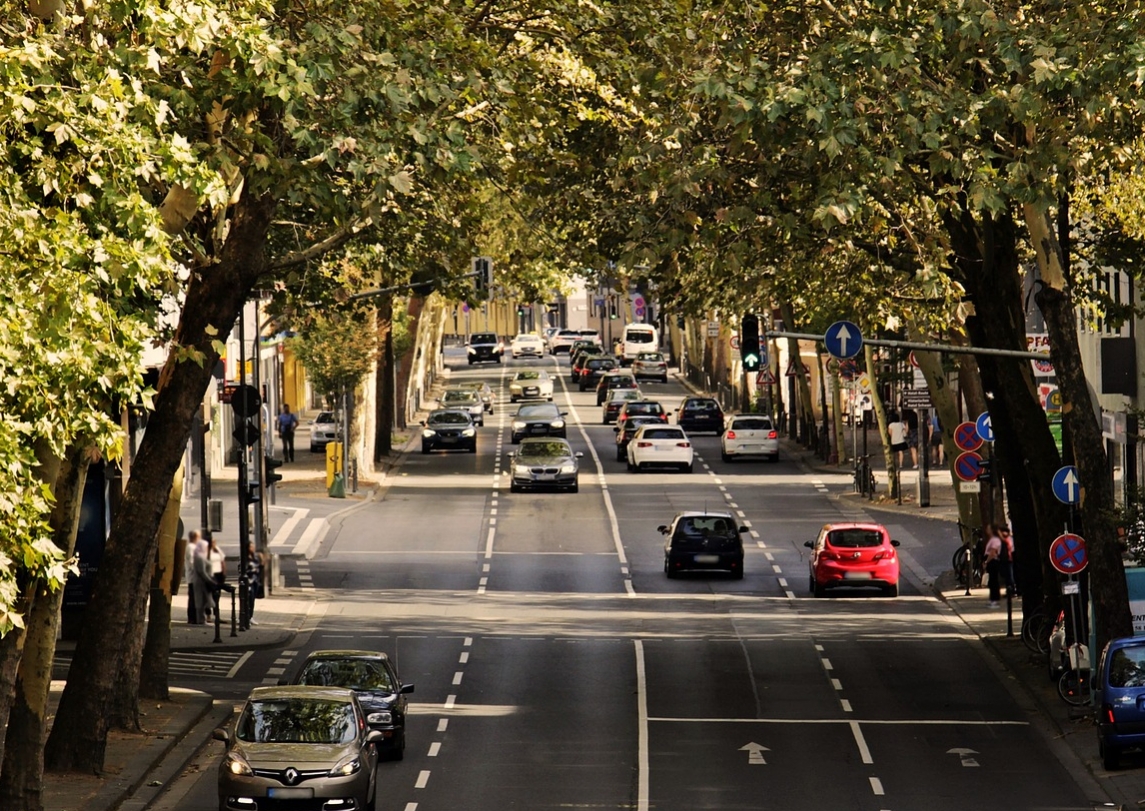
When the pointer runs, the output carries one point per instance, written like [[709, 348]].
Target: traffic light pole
[[244, 488]]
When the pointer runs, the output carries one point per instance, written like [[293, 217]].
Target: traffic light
[[272, 465], [611, 307], [985, 473], [252, 494], [520, 310], [482, 274], [749, 343], [246, 432]]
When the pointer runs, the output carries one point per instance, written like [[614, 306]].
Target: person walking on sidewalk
[[255, 572], [287, 423], [189, 573], [202, 581], [994, 568], [896, 433], [936, 439]]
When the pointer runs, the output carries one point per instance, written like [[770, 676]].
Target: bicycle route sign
[[1067, 553], [966, 436], [968, 465]]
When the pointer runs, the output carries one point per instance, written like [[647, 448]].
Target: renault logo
[[291, 776]]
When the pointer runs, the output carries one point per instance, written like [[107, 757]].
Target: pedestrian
[[896, 432], [201, 579], [218, 562], [936, 438], [255, 572], [287, 423], [189, 574], [994, 566], [1006, 559], [910, 417]]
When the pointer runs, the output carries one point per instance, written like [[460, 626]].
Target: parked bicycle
[[977, 555], [1037, 632], [864, 481]]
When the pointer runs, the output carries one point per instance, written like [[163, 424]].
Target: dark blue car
[[1120, 698]]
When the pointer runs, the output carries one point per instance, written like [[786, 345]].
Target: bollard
[[218, 622], [1009, 611], [234, 621]]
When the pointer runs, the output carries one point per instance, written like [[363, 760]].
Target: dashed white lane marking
[[450, 702], [845, 704], [422, 779], [434, 748], [457, 678], [861, 742], [464, 657], [468, 643], [411, 807], [877, 786], [818, 648], [790, 595], [769, 556], [777, 569], [838, 685], [443, 724], [826, 664], [783, 582]]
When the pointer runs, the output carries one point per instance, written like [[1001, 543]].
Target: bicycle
[[864, 477], [1073, 685], [958, 563], [1035, 631]]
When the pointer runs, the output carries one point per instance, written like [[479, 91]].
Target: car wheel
[[471, 362], [892, 591], [664, 379], [690, 467], [631, 467], [313, 449], [818, 590], [425, 448], [738, 575], [575, 487], [473, 448], [516, 440], [513, 488], [725, 457], [584, 388], [773, 458], [620, 454], [498, 361], [550, 398], [512, 399], [668, 570], [1110, 755]]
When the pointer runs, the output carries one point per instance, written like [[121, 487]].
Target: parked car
[[531, 384], [703, 541], [616, 400], [484, 391], [448, 428], [544, 463], [660, 446], [748, 435], [467, 400], [484, 347], [641, 408], [563, 340], [527, 345], [543, 419], [853, 555], [650, 364], [614, 381], [324, 429], [625, 433], [593, 370], [299, 744], [697, 414], [374, 679], [1119, 696]]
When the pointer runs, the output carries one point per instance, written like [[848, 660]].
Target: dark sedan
[[624, 433], [543, 419], [374, 680], [593, 370], [448, 428], [700, 414], [614, 381], [544, 463]]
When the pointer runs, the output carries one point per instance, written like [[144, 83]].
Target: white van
[[639, 338]]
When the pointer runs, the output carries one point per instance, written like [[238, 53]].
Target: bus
[[638, 338]]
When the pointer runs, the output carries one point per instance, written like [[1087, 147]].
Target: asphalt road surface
[[556, 667]]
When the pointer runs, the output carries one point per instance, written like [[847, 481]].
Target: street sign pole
[[924, 458]]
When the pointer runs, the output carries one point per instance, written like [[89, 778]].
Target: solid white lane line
[[861, 742], [242, 661], [641, 730]]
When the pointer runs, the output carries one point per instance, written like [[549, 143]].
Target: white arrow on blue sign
[[1066, 485], [985, 429], [843, 340]]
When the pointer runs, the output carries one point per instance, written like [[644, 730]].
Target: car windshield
[[650, 357], [1127, 668], [663, 433], [528, 375], [459, 397], [352, 673], [483, 338], [854, 538], [701, 526], [547, 412], [325, 416], [535, 450], [297, 720], [752, 424], [527, 338], [448, 418]]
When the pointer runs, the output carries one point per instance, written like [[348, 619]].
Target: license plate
[[290, 793], [532, 390], [545, 477], [707, 558], [857, 575]]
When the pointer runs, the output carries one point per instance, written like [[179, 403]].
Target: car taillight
[[1107, 711], [772, 434], [886, 554], [731, 434], [644, 444], [826, 554], [663, 418], [683, 444]]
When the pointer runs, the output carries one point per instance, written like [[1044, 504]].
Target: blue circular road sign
[[966, 436], [1067, 553], [984, 428], [843, 340], [1067, 485], [967, 466]]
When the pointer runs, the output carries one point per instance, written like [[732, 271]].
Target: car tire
[[473, 448], [512, 399], [773, 458], [818, 590], [892, 590], [516, 440], [620, 454], [631, 467], [738, 575], [690, 467], [314, 449], [575, 487], [513, 488], [664, 379], [584, 388], [725, 457], [1110, 755], [668, 570], [425, 448], [470, 361]]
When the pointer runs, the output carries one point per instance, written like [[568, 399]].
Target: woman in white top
[[896, 432]]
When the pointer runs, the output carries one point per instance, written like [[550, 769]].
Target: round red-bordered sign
[[966, 436], [1068, 554], [967, 466]]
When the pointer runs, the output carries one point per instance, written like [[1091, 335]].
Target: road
[[556, 667]]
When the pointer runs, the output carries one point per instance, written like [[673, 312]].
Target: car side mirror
[[221, 734], [375, 736], [895, 543], [809, 544], [579, 455], [662, 529], [422, 423], [744, 529], [616, 429], [406, 688], [564, 413]]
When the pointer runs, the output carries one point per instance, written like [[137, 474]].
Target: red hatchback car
[[854, 555]]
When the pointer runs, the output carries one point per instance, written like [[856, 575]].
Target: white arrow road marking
[[964, 756], [755, 754]]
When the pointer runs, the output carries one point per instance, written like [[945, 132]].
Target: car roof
[[870, 525], [702, 514], [302, 691]]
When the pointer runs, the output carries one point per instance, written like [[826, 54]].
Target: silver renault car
[[296, 747]]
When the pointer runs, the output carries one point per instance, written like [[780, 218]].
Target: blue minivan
[[1120, 698]]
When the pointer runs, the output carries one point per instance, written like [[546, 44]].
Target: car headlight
[[471, 350], [383, 717], [346, 766], [469, 432], [568, 468], [236, 764], [516, 388], [520, 470], [519, 426], [557, 424], [429, 433]]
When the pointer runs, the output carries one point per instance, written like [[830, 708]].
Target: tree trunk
[[214, 300], [22, 772], [988, 267], [1106, 573], [153, 670], [384, 383]]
